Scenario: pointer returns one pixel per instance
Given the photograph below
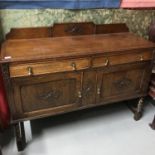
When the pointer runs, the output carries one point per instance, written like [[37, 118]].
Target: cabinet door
[[89, 87], [47, 94], [123, 82]]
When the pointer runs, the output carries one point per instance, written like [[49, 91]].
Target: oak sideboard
[[68, 67]]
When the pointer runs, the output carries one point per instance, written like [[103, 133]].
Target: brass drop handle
[[141, 58], [30, 71], [79, 94], [106, 62], [73, 64], [98, 91]]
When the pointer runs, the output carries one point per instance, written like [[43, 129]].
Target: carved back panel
[[69, 29]]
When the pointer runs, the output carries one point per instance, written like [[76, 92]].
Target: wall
[[137, 20]]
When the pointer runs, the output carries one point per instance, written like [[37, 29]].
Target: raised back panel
[[66, 29], [29, 33], [111, 28]]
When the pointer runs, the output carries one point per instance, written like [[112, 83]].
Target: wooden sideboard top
[[70, 46]]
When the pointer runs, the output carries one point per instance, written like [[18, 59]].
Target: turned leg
[[152, 125], [137, 108], [20, 136]]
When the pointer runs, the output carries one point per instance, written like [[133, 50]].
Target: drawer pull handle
[[79, 94], [30, 71], [106, 62], [98, 91], [141, 58], [73, 64]]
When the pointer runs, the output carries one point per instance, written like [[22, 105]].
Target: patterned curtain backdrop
[[58, 4]]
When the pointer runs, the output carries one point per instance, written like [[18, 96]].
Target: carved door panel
[[48, 93], [89, 87], [124, 82]]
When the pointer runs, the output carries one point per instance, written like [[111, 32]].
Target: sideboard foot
[[137, 116], [152, 125], [20, 136], [137, 108]]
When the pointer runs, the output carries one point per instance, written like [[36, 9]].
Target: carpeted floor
[[108, 130]]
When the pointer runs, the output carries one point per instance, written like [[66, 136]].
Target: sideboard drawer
[[28, 69], [121, 59]]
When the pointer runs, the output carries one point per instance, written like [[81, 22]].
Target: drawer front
[[121, 59], [29, 69]]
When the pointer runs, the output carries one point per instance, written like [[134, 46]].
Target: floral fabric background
[[138, 21]]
